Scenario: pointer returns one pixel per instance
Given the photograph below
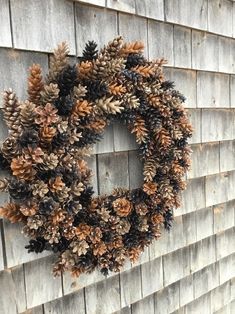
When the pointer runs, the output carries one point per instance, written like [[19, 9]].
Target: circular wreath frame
[[50, 135]]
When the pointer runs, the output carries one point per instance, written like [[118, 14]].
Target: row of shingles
[[104, 296], [162, 36], [169, 299], [213, 16]]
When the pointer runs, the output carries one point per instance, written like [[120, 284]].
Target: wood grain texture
[[112, 171], [204, 44], [189, 227], [185, 82], [202, 304], [179, 12], [135, 169], [224, 216], [206, 279], [91, 24], [218, 125], [5, 26], [92, 164], [227, 268], [160, 38], [103, 297], [138, 25], [152, 276], [182, 47], [232, 90], [153, 9], [93, 2], [205, 160], [122, 5], [195, 119], [35, 24], [15, 64], [220, 297], [167, 300], [186, 290], [40, 286], [130, 284], [212, 90], [226, 55], [227, 156], [204, 217], [106, 145], [123, 140], [145, 305], [71, 304], [220, 17], [225, 243]]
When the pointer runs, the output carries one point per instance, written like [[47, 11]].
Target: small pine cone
[[99, 249], [123, 227], [29, 137], [35, 154], [29, 210], [150, 188], [38, 245], [35, 84], [95, 235], [10, 148], [134, 254], [56, 184], [57, 216], [63, 194], [77, 188], [46, 206], [35, 222], [27, 114], [79, 247], [50, 93], [58, 61], [67, 79], [22, 168], [40, 188], [18, 190], [82, 231], [46, 134], [79, 91], [141, 209], [49, 162], [104, 214], [11, 112], [122, 206], [46, 115], [157, 219], [90, 51], [113, 47], [11, 212], [143, 225]]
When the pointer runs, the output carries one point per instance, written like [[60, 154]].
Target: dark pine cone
[[168, 218], [134, 59], [61, 246], [37, 245], [67, 80], [29, 137], [4, 164], [85, 197], [64, 105], [167, 85], [96, 90], [46, 206], [90, 51], [60, 140], [18, 189], [88, 137]]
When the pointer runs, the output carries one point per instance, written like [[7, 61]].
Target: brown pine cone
[[123, 227], [27, 114], [11, 113], [56, 184], [141, 209], [99, 249], [46, 115], [22, 168], [79, 247], [35, 83], [82, 231], [10, 148], [134, 254], [47, 133], [150, 188], [11, 212], [157, 219], [49, 162], [50, 93], [29, 210], [122, 206]]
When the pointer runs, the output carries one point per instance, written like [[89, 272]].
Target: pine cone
[[49, 162], [79, 91], [67, 79], [35, 84], [38, 245], [22, 168], [79, 247], [141, 209], [58, 61], [113, 47], [46, 134], [29, 137], [49, 93], [10, 148], [140, 130], [40, 188], [122, 206], [27, 114], [46, 206], [123, 227], [56, 184], [82, 231], [99, 249], [109, 105], [150, 188], [11, 113], [18, 189], [46, 115], [4, 185], [11, 212], [29, 210], [64, 105], [90, 51]]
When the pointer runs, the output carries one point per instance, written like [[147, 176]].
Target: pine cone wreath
[[51, 134]]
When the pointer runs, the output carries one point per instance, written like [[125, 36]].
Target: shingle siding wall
[[192, 268]]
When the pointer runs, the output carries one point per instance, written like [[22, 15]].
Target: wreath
[[52, 133]]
